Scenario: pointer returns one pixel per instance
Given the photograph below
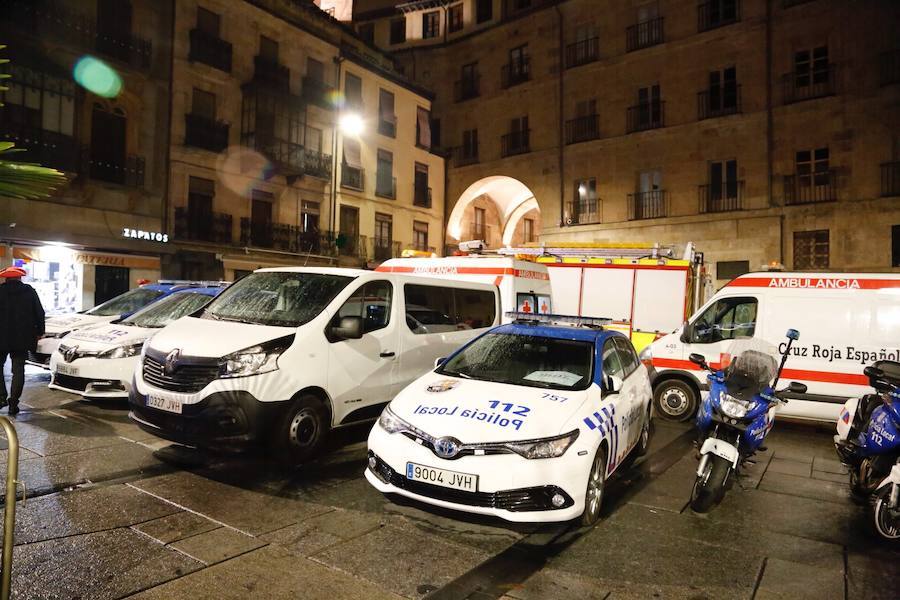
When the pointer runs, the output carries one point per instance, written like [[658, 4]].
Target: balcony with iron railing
[[271, 74], [467, 88], [820, 186], [129, 171], [210, 50], [648, 205], [384, 249], [466, 155], [515, 142], [808, 85], [479, 231], [48, 148], [515, 72], [717, 13], [352, 178], [54, 19], [724, 197], [583, 212], [214, 228], [889, 67], [643, 35], [642, 117], [582, 52], [205, 133], [890, 178], [288, 158], [316, 164], [720, 102], [385, 186], [421, 196], [318, 93], [582, 129], [287, 238]]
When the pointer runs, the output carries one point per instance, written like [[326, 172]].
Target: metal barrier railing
[[9, 511]]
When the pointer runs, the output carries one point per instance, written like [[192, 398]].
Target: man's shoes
[[13, 409]]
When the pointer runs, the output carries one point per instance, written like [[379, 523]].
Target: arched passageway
[[498, 209]]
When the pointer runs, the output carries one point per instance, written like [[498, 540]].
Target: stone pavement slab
[[46, 434], [106, 564], [217, 545], [785, 466], [873, 573], [806, 487], [407, 563], [172, 528], [553, 584], [786, 580], [270, 573]]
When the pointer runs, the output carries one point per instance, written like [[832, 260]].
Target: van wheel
[[675, 400], [301, 430]]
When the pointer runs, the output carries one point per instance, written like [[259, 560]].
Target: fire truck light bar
[[552, 318]]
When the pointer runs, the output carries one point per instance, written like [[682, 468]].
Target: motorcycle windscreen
[[750, 365]]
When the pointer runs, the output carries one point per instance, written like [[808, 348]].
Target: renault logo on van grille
[[171, 362], [447, 447]]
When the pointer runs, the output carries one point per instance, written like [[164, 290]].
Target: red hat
[[13, 272]]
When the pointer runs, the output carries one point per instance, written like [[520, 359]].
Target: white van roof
[[822, 280], [320, 270], [466, 265]]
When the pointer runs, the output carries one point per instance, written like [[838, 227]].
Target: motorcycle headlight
[[122, 351], [734, 408], [551, 447], [255, 360]]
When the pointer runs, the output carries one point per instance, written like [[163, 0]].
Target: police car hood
[[475, 411], [107, 336], [213, 339], [74, 321]]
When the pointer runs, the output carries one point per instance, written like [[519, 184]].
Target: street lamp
[[349, 124]]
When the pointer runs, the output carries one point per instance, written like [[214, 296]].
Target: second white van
[[284, 355]]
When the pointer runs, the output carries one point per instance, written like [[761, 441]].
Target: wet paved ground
[[113, 512]]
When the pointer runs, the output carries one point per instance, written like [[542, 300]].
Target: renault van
[[846, 321], [284, 355]]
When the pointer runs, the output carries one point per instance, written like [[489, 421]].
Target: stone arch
[[504, 200]]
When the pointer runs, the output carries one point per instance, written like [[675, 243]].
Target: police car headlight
[[122, 351], [734, 408], [391, 422], [255, 360], [551, 447], [55, 334]]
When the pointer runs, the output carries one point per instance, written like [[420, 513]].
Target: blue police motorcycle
[[868, 443], [738, 413]]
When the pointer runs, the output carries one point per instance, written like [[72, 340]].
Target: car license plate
[[442, 477], [171, 405], [67, 370]]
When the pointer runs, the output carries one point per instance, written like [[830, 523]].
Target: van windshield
[[126, 303], [280, 299]]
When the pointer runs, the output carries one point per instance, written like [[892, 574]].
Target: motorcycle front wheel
[[885, 520], [709, 488]]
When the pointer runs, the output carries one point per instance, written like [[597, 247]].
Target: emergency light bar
[[553, 318], [193, 283]]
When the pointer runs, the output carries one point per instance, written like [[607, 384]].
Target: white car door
[[361, 372], [633, 391]]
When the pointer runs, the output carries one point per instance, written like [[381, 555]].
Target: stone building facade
[[765, 131]]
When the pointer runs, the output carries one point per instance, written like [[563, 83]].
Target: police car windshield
[[532, 361], [160, 314], [280, 299], [126, 303]]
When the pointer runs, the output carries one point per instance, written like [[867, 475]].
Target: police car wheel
[[675, 400], [301, 430], [644, 440], [596, 484]]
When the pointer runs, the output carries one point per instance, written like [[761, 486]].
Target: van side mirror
[[687, 332], [439, 361], [613, 384], [699, 360], [350, 328], [872, 372], [793, 334], [796, 387]]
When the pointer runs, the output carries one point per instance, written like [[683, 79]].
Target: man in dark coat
[[21, 324]]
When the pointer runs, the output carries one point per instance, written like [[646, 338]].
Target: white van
[[524, 285], [846, 321], [284, 355]]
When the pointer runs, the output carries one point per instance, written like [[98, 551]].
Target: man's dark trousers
[[18, 376]]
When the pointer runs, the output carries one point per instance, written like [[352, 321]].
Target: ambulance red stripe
[[800, 374], [827, 283]]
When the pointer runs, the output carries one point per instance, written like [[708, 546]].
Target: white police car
[[526, 422]]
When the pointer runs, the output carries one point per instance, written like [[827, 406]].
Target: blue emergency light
[[549, 318]]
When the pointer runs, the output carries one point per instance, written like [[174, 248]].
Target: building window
[[366, 32], [421, 192], [455, 18], [729, 269], [484, 11], [895, 246], [268, 49], [648, 113], [208, 22], [423, 128], [469, 149], [309, 218], [385, 184], [811, 249], [351, 168], [206, 45], [200, 210], [811, 67], [518, 69], [716, 13], [108, 160], [518, 140], [650, 201], [261, 219], [353, 91], [812, 167], [203, 104], [349, 231], [114, 28], [431, 24], [528, 230], [467, 86], [584, 208], [387, 120], [384, 236], [721, 97], [435, 133], [398, 30], [722, 192], [479, 230], [420, 235]]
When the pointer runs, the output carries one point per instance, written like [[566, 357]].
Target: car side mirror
[[439, 361], [793, 334], [699, 360], [796, 387], [350, 328], [613, 384]]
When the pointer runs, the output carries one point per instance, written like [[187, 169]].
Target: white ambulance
[[846, 321], [524, 285]]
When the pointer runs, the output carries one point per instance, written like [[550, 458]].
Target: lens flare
[[239, 168], [97, 77]]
